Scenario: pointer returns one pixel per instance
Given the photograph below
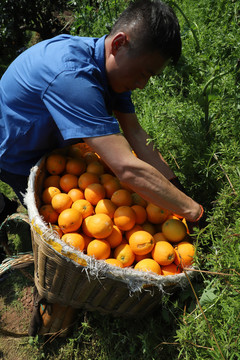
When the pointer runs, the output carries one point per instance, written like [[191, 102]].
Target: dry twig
[[210, 272]]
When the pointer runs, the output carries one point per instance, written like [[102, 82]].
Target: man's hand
[[200, 222]]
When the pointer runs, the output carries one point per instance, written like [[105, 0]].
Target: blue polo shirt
[[52, 95]]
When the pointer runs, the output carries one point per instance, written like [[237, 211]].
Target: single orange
[[105, 206], [75, 151], [159, 237], [141, 242], [95, 167], [148, 265], [74, 239], [55, 164], [48, 194], [61, 202], [86, 179], [105, 177], [84, 207], [52, 180], [75, 166], [76, 194], [147, 226], [94, 192], [85, 227], [111, 186], [124, 218], [98, 248], [124, 253], [140, 212], [156, 214], [174, 230], [69, 220], [90, 156], [185, 252], [122, 197], [115, 238], [100, 226], [131, 231], [163, 252], [68, 182], [114, 262], [138, 200], [48, 213], [171, 269]]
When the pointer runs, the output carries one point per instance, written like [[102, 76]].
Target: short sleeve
[[76, 102]]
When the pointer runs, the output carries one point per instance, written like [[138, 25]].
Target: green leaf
[[208, 297]]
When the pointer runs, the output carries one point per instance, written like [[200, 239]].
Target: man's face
[[127, 72]]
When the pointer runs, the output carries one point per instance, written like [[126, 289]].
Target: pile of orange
[[93, 212]]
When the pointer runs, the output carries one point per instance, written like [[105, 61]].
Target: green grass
[[191, 113]]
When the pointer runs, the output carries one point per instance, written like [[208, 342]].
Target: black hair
[[152, 26]]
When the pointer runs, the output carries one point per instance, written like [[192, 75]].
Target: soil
[[10, 318], [16, 300]]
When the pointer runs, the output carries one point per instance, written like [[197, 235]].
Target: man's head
[[151, 26], [141, 43]]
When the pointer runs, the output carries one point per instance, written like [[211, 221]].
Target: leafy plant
[[95, 18], [18, 19]]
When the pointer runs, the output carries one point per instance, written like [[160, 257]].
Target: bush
[[18, 19]]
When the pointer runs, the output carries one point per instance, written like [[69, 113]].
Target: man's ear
[[119, 40]]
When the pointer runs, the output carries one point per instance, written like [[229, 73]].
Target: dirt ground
[[16, 300]]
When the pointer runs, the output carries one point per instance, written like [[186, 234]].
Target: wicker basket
[[70, 277]]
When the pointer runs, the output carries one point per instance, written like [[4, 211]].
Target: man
[[64, 90]]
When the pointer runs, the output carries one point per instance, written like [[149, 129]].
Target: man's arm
[[137, 139], [142, 177]]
